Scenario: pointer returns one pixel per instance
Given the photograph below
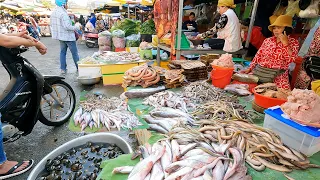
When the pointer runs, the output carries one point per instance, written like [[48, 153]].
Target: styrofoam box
[[299, 137], [91, 70]]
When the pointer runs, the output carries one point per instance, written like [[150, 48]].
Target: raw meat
[[303, 106], [224, 61]]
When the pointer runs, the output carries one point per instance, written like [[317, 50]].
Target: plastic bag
[[306, 44], [293, 8], [104, 33], [312, 11], [118, 33], [119, 42], [133, 40], [164, 56], [105, 41]]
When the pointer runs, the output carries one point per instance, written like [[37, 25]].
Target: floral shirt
[[273, 54], [314, 49]]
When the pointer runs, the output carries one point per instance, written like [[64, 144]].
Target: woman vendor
[[276, 53], [227, 29]]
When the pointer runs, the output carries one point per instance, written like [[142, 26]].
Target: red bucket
[[221, 76]]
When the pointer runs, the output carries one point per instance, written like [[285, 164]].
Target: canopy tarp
[[10, 7]]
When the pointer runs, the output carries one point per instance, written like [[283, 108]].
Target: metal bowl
[[87, 80], [197, 42], [95, 138]]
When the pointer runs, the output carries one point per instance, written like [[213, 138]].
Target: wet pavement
[[44, 139]]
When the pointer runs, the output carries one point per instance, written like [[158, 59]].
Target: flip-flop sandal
[[11, 173]]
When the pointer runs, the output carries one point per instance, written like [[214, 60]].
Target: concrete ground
[[44, 139]]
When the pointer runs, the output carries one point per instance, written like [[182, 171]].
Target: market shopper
[[100, 26], [227, 29], [256, 38], [62, 30], [8, 168], [277, 52], [191, 23]]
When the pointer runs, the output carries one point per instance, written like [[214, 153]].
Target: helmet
[[61, 2]]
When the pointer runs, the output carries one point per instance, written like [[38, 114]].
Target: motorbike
[[91, 39], [30, 97]]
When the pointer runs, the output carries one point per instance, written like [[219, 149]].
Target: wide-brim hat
[[282, 21], [273, 19]]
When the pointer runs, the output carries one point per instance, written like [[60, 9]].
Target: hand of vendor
[[199, 36], [247, 71], [284, 38]]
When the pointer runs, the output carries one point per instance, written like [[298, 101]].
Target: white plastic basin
[[95, 138]]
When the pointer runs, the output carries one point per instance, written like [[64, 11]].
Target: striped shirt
[[61, 26]]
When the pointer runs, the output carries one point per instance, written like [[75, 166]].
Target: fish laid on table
[[169, 99], [166, 112], [116, 119], [220, 110], [93, 102], [261, 147], [141, 93], [201, 91], [202, 164]]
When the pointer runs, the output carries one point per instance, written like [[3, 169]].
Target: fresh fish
[[141, 93], [122, 170], [183, 171], [144, 152], [188, 148], [164, 124], [170, 113], [201, 170], [91, 124], [207, 175], [236, 154], [143, 168], [185, 163], [218, 171], [148, 177], [193, 152], [158, 128], [175, 150], [96, 117], [157, 172], [77, 116], [166, 159], [188, 176]]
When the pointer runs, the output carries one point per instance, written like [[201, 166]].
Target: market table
[[136, 106]]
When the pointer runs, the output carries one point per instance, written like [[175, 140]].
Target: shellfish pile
[[80, 163]]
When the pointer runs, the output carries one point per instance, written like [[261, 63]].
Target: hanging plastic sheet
[[305, 46]]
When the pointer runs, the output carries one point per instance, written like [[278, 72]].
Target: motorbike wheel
[[90, 45], [57, 115]]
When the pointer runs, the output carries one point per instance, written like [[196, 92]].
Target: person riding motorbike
[[8, 168]]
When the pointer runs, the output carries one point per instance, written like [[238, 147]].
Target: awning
[[10, 7]]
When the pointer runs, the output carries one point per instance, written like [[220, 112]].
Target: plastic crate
[[117, 68], [299, 137]]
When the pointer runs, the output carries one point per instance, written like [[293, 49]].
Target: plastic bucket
[[266, 102], [221, 76]]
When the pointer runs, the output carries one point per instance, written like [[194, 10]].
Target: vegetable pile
[[148, 27], [128, 26]]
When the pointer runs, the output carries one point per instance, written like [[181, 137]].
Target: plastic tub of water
[[299, 137], [94, 138]]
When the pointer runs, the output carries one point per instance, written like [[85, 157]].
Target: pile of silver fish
[[169, 160], [169, 99], [100, 102], [164, 119], [201, 91], [261, 147], [115, 119], [220, 110]]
